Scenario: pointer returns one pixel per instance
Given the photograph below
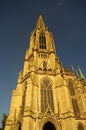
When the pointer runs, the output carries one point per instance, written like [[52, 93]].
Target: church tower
[[47, 95]]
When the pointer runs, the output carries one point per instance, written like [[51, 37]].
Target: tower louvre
[[47, 95]]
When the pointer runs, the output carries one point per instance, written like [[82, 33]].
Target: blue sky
[[66, 19]]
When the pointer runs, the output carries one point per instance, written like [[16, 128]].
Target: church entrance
[[49, 126]]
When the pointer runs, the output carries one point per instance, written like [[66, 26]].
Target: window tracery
[[70, 85], [42, 41], [46, 95], [73, 98]]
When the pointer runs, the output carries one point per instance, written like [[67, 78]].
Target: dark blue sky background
[[66, 19]]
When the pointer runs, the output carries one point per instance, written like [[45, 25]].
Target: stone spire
[[40, 23]]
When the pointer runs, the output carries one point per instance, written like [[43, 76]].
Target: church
[[47, 96]]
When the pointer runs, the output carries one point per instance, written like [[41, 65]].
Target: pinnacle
[[80, 72]]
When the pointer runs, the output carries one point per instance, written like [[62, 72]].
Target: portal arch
[[80, 127], [49, 126], [50, 122]]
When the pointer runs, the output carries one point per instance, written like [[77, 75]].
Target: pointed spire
[[40, 23], [80, 73]]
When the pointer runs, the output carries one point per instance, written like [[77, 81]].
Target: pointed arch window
[[46, 95], [42, 41], [73, 98], [71, 87]]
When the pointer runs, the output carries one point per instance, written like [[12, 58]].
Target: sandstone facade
[[47, 96]]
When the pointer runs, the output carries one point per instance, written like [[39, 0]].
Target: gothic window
[[73, 98], [80, 127], [46, 94], [42, 41], [71, 88], [75, 107]]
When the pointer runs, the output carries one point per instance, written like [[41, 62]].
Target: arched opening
[[49, 126], [80, 127]]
